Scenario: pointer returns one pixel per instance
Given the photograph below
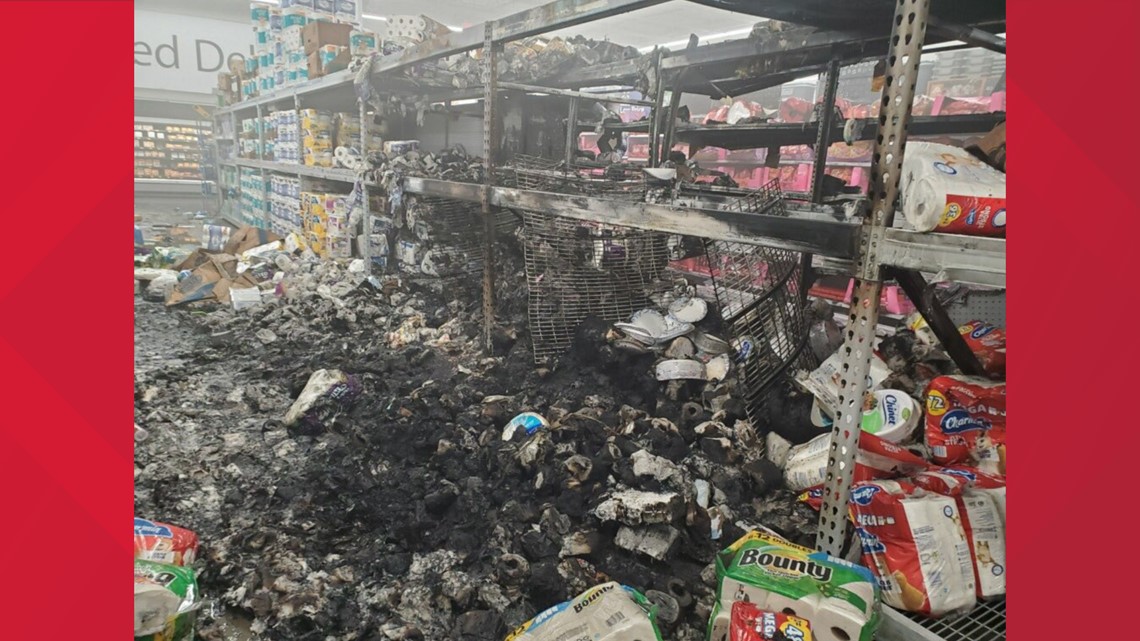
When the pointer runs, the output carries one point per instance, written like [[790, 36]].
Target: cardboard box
[[318, 34], [247, 238], [340, 63]]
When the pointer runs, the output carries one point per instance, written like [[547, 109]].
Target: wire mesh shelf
[[452, 232], [986, 622], [576, 270], [759, 293], [622, 182]]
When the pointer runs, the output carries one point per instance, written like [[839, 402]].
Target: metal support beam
[[823, 130], [907, 35], [571, 131], [657, 86], [671, 124], [966, 33], [798, 231], [582, 95], [490, 143], [366, 249], [922, 295]]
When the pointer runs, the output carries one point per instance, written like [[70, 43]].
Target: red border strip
[[65, 331]]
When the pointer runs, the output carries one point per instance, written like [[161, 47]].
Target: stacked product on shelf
[[254, 198], [253, 131], [285, 205], [170, 151], [286, 145], [325, 222], [300, 40], [316, 138]]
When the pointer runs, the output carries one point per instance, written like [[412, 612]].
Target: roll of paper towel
[[945, 189]]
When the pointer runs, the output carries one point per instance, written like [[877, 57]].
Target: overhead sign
[[186, 53]]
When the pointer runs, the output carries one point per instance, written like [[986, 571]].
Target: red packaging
[[879, 458], [750, 623], [973, 215], [965, 422], [988, 344], [914, 544], [164, 543], [953, 481], [794, 109], [981, 504]]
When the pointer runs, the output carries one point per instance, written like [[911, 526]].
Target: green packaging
[[166, 602], [840, 599]]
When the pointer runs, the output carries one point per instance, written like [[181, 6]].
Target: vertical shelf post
[[823, 131], [907, 36], [489, 146], [366, 224]]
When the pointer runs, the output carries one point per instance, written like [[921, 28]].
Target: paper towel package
[[946, 189], [778, 576], [915, 544], [607, 612], [749, 623]]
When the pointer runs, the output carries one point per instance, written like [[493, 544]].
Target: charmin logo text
[[863, 495], [959, 421]]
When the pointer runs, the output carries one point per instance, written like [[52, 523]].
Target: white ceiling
[[669, 22]]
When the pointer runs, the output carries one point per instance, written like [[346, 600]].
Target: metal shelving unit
[[871, 247]]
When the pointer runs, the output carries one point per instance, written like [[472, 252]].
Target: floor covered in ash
[[408, 516]]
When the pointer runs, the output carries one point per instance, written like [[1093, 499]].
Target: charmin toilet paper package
[[981, 502], [806, 465], [988, 344], [164, 543], [945, 189], [965, 422], [606, 612], [166, 600], [985, 530], [915, 544], [775, 575]]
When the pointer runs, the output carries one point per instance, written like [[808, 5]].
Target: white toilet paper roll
[[835, 620]]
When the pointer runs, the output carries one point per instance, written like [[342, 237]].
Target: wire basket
[[576, 270], [622, 182], [759, 293], [451, 231]]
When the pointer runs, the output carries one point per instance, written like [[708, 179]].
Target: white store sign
[[186, 53]]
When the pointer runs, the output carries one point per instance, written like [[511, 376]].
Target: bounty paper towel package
[[606, 612], [839, 599], [166, 599], [945, 189], [915, 544]]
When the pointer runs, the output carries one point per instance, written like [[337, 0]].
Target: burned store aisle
[[408, 515]]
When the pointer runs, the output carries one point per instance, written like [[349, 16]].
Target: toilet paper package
[[981, 502], [775, 575], [945, 189], [988, 344], [606, 612], [806, 465], [984, 525], [166, 601], [163, 543], [965, 422], [916, 546]]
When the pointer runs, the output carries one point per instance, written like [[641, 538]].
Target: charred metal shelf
[[326, 173], [986, 622], [967, 259], [754, 135]]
